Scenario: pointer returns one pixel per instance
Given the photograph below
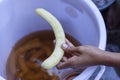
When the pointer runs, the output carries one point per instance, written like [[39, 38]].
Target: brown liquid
[[23, 61]]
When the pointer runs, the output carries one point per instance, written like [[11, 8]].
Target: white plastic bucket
[[79, 18]]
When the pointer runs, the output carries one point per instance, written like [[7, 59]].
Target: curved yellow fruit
[[58, 53]]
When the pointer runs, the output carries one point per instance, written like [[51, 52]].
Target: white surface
[[86, 74], [1, 78], [79, 18], [100, 73]]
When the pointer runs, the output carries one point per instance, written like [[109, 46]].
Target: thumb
[[70, 63], [62, 65]]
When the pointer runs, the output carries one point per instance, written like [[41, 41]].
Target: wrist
[[101, 58], [110, 59]]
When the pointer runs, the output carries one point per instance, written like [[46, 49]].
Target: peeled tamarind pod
[[58, 53]]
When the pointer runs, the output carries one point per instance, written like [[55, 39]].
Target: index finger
[[69, 43]]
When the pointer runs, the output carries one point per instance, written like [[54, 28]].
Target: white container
[[79, 18]]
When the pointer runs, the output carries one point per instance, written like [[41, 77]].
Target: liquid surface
[[23, 62]]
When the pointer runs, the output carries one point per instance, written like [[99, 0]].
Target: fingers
[[62, 65], [67, 48], [65, 64], [64, 46], [54, 41], [64, 59], [68, 63], [67, 42]]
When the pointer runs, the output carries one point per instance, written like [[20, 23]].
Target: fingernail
[[64, 46], [54, 41]]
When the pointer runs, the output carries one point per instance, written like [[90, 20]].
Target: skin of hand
[[84, 56]]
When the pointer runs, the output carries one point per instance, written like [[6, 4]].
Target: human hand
[[80, 56]]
